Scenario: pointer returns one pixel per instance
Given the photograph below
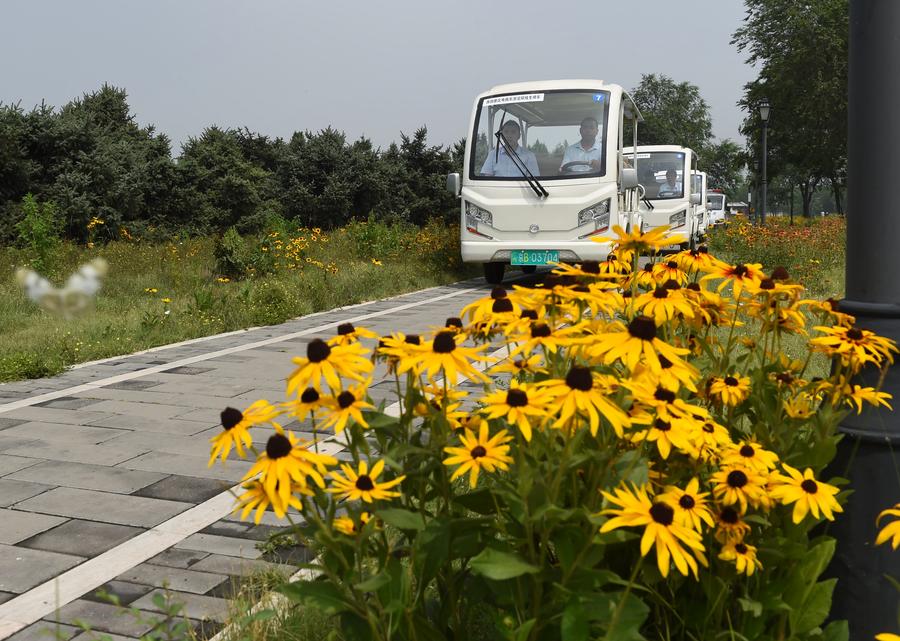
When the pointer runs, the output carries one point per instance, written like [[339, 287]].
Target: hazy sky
[[368, 68]]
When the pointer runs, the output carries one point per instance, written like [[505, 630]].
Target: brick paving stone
[[188, 371], [81, 538], [155, 425], [178, 558], [21, 569], [56, 433], [104, 617], [124, 591], [74, 452], [12, 492], [218, 564], [10, 464], [184, 400], [188, 465], [217, 544], [6, 596], [156, 411], [183, 580], [196, 606], [51, 415], [67, 403], [103, 506], [136, 384], [45, 631], [170, 443], [10, 422], [243, 530], [94, 635], [17, 526], [88, 477], [184, 488], [220, 388], [11, 442]]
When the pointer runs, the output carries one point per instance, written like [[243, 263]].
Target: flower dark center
[[767, 283], [854, 334], [747, 451], [364, 483], [662, 394], [740, 270], [529, 313], [671, 284], [703, 249], [540, 330], [346, 399], [498, 292], [516, 398], [662, 513], [611, 258], [581, 289], [687, 501], [809, 486], [478, 451], [444, 343], [729, 516], [785, 378], [672, 264], [661, 425], [740, 548], [231, 417], [551, 281], [590, 267], [642, 327], [694, 287], [309, 395], [780, 273], [317, 350], [454, 321], [278, 446], [502, 305], [737, 479], [648, 267], [709, 428], [731, 381], [664, 362], [413, 339], [345, 328], [520, 364], [659, 292], [580, 378]]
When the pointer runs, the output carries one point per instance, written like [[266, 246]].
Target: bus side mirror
[[696, 199], [453, 184], [629, 178]]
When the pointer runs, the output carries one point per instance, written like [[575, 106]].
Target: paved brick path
[[104, 478]]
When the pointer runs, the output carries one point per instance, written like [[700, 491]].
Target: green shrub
[[39, 232]]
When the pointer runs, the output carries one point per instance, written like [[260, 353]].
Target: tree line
[[91, 159]]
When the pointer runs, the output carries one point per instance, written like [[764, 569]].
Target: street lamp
[[764, 109]]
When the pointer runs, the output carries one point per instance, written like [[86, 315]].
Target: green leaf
[[523, 631], [354, 627], [374, 583], [631, 618], [836, 631], [815, 608], [481, 501], [499, 566], [379, 419], [574, 626], [402, 519], [318, 594], [433, 549], [749, 605]]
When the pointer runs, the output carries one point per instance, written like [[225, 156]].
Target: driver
[[671, 187], [499, 163], [587, 152]]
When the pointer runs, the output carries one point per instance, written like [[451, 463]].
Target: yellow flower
[[635, 509], [737, 275], [255, 497], [887, 636], [519, 405], [750, 454], [743, 555], [166, 300], [485, 452], [347, 334], [691, 505], [663, 304], [310, 403], [640, 243], [236, 425], [444, 355], [377, 262], [583, 392], [666, 434], [807, 494], [730, 390], [363, 484], [734, 485], [637, 342], [346, 525], [330, 363], [729, 525], [891, 530], [151, 290], [345, 406], [855, 346], [532, 365], [799, 407]]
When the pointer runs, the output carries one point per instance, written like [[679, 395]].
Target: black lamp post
[[764, 109]]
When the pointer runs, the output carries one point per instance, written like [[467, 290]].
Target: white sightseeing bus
[[716, 206], [667, 199], [544, 173], [700, 187]]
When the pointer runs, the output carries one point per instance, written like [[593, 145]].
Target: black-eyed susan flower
[[667, 434], [362, 484], [347, 405], [484, 307], [740, 486], [799, 407], [856, 395], [485, 451], [346, 525], [669, 270], [855, 346], [542, 335], [443, 356], [750, 454], [235, 426], [285, 464], [663, 305], [730, 390], [348, 334], [633, 343], [695, 260], [691, 505], [738, 276], [330, 363], [636, 509], [641, 243], [521, 405], [710, 439], [891, 530], [671, 375], [516, 366], [887, 636], [587, 393], [742, 555], [806, 493], [664, 402], [309, 404], [254, 497]]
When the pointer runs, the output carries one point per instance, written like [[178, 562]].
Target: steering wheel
[[576, 167]]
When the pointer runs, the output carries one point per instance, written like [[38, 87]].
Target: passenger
[[671, 187], [584, 156], [499, 163], [648, 181]]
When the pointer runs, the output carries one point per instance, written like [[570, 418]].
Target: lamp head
[[764, 109]]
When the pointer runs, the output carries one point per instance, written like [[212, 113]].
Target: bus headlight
[[678, 220], [598, 212], [476, 214]]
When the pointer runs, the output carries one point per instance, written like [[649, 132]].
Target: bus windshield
[[556, 135], [715, 201], [661, 174]]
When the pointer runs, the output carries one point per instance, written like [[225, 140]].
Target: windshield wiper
[[533, 182], [648, 203]]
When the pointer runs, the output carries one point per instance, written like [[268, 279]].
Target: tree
[[674, 113], [800, 49], [724, 163]]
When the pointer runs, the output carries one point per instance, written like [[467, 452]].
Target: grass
[[284, 279]]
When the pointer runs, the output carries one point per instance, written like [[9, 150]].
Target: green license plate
[[534, 256]]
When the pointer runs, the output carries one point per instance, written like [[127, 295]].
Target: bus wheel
[[529, 269], [493, 273]]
